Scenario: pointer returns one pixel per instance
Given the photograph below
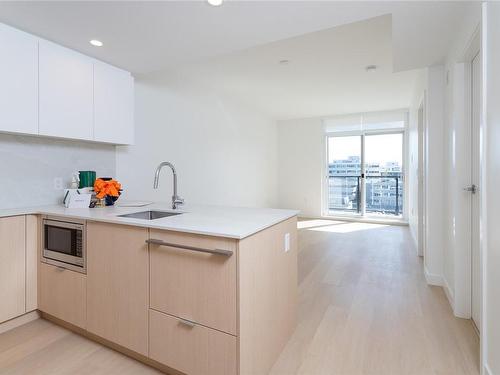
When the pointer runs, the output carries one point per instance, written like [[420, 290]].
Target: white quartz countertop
[[230, 222]]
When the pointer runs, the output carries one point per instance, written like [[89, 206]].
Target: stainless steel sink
[[150, 215]]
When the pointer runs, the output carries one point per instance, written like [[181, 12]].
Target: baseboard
[[19, 321], [433, 279], [449, 294], [415, 241], [413, 236]]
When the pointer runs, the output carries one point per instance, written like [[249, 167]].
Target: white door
[[66, 92], [475, 201]]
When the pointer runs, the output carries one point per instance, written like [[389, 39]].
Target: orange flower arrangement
[[103, 188]]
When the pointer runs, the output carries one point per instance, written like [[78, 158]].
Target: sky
[[380, 148]]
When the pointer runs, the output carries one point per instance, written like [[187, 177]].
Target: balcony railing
[[384, 194]]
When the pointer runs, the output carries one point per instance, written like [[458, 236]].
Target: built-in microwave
[[64, 243]]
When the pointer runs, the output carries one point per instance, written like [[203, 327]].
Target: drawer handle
[[60, 269], [227, 253], [187, 323]]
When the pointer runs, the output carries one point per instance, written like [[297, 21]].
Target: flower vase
[[110, 200]]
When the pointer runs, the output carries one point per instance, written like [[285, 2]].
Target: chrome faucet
[[176, 200]]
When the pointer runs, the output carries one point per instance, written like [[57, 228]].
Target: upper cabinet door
[[113, 105], [66, 92], [18, 81]]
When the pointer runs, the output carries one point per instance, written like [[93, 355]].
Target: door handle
[[187, 323], [153, 241], [472, 189]]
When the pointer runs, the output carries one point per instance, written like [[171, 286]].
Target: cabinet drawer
[[191, 349], [63, 294], [197, 286]]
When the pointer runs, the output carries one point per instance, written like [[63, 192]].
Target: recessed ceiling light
[[96, 43], [215, 3], [371, 68], [284, 62]]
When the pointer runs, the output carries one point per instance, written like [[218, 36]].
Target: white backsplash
[[29, 165]]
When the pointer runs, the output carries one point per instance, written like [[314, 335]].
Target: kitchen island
[[210, 291]]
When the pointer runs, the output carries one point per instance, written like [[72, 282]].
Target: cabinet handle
[[153, 241], [60, 269], [188, 323]]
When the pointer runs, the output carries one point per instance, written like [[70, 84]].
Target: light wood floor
[[364, 309], [42, 348]]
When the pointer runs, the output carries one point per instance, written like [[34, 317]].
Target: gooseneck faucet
[[176, 200]]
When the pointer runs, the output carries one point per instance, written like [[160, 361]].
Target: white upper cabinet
[[113, 104], [66, 92], [18, 81], [50, 90]]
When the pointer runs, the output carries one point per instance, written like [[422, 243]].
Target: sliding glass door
[[344, 174], [365, 174], [384, 178]]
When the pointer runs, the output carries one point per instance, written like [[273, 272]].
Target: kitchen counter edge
[[279, 215]]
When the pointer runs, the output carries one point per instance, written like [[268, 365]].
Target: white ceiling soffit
[[325, 74], [149, 36], [424, 32]]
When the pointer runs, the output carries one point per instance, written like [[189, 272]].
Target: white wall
[[29, 165], [490, 178], [302, 159], [457, 167], [413, 154], [434, 190], [301, 165], [430, 87], [448, 167], [456, 201], [225, 153]]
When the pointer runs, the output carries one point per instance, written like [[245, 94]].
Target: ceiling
[[236, 48], [143, 36], [325, 73]]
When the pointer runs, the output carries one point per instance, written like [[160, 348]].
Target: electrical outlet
[[287, 242], [58, 183]]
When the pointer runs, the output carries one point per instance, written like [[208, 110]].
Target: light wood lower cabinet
[[194, 312], [194, 285], [62, 294], [251, 294], [191, 349], [267, 277], [32, 251], [18, 265], [12, 267], [118, 284]]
